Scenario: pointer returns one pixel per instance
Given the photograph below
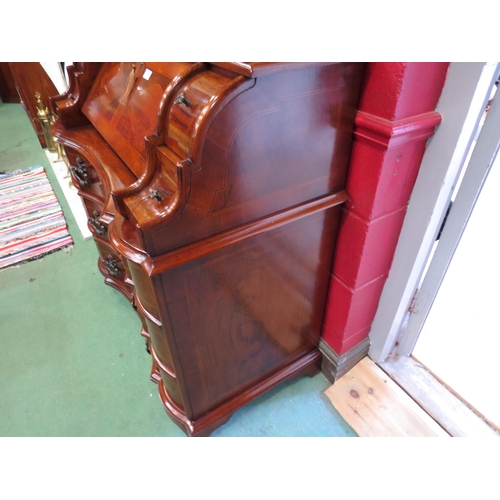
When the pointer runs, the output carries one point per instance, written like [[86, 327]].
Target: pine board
[[375, 406]]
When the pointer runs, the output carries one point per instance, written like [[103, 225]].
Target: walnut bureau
[[214, 193]]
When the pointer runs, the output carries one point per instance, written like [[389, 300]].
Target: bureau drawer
[[169, 380], [159, 342], [84, 176], [190, 105], [97, 225], [111, 261], [144, 289]]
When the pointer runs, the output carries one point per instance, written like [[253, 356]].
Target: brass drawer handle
[[98, 227], [182, 99], [80, 172]]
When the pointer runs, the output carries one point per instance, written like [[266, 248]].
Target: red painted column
[[396, 117]]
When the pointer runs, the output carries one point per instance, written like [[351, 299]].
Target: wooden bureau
[[213, 191]]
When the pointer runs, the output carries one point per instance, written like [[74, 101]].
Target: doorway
[[453, 331], [413, 284], [460, 339]]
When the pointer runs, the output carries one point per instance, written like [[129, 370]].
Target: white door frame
[[462, 103], [478, 168]]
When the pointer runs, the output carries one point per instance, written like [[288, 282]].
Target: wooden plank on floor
[[431, 395], [375, 406]]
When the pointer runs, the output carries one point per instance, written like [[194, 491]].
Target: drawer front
[[111, 261], [169, 380], [172, 387], [144, 289], [96, 224], [84, 176], [160, 343], [190, 105]]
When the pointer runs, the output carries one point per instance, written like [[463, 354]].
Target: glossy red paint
[[353, 306], [339, 344], [396, 117], [395, 90], [359, 236], [384, 180]]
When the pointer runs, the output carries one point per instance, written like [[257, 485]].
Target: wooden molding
[[388, 134], [216, 242], [307, 364], [334, 366], [259, 69]]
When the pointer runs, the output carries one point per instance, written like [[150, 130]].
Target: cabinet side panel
[[244, 312]]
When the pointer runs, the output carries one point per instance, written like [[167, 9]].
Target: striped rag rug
[[32, 223]]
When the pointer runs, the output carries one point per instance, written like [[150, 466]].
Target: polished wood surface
[[68, 106], [249, 309], [30, 78], [214, 194], [8, 92]]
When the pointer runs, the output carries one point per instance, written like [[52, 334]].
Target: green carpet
[[73, 362]]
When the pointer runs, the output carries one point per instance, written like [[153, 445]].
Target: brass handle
[[98, 227], [111, 265], [182, 99], [80, 172]]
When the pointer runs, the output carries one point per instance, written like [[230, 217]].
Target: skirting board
[[334, 366]]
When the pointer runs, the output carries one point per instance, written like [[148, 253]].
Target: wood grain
[[375, 406], [446, 408]]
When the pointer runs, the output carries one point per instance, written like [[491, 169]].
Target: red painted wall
[[396, 117]]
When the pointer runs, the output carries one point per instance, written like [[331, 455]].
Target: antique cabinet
[[214, 191]]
